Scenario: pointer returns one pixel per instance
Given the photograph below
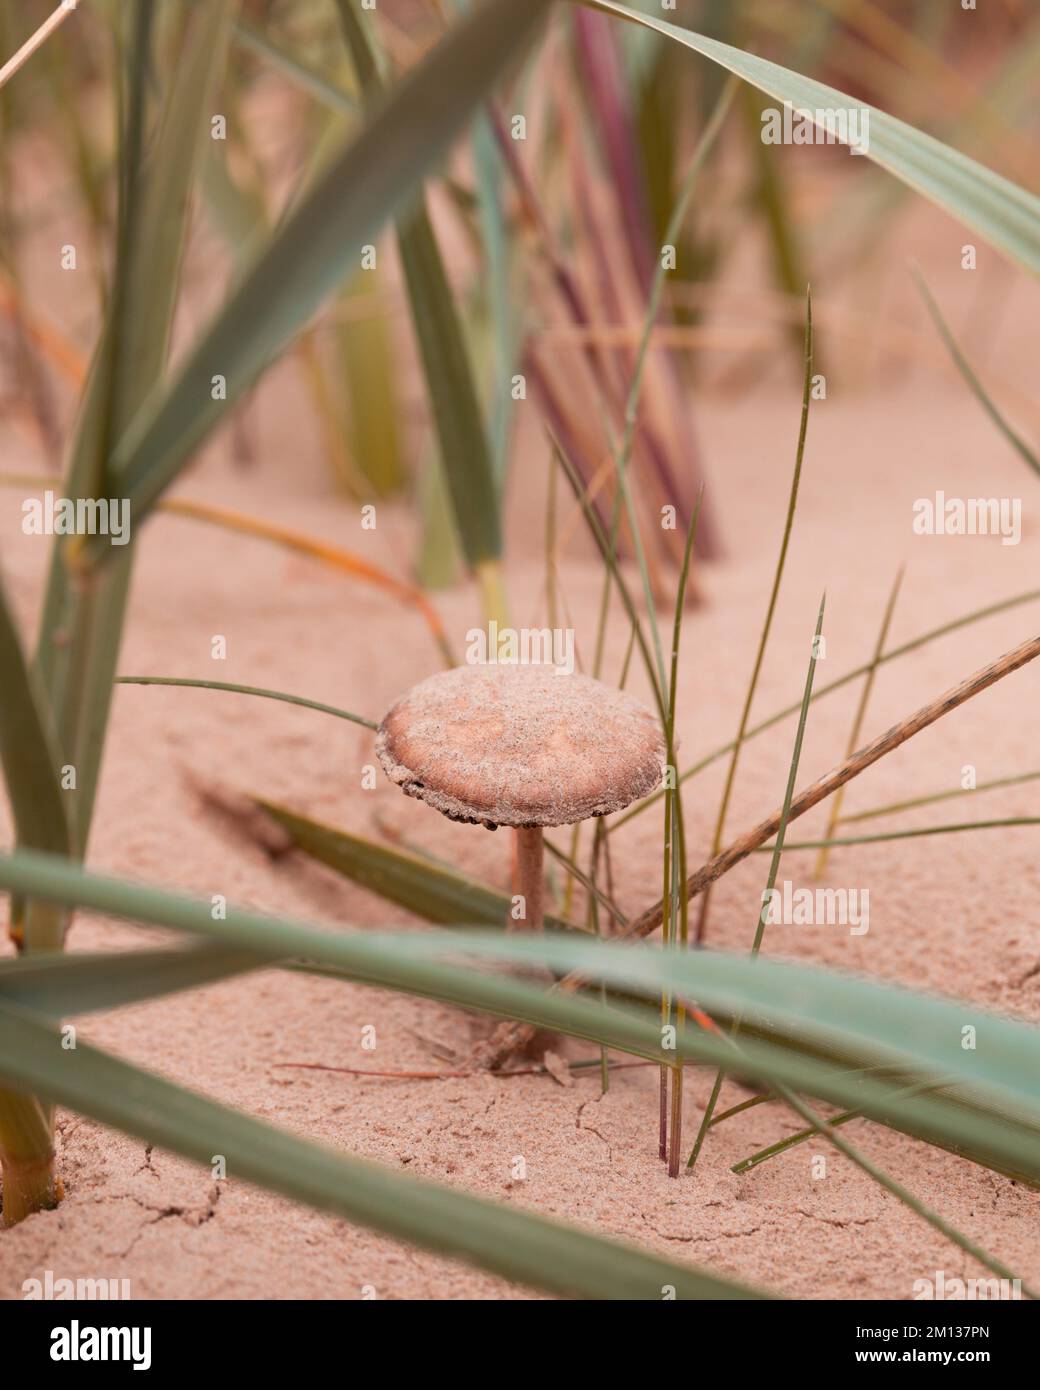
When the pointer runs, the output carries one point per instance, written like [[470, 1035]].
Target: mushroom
[[524, 746]]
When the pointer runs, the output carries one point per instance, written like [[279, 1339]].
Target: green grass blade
[[971, 377], [774, 866], [1008, 216], [510, 1243], [367, 359], [607, 550], [27, 1155], [437, 564], [767, 624], [895, 806], [464, 449], [249, 690], [600, 899], [772, 195], [432, 891], [834, 815], [677, 903], [844, 841], [236, 208], [792, 776], [792, 1140], [487, 166], [902, 1194], [468, 468], [977, 615], [307, 78], [816, 1032], [77, 668], [61, 985], [30, 760], [28, 747], [362, 351], [63, 631], [320, 242]]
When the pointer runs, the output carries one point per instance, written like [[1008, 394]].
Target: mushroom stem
[[530, 852]]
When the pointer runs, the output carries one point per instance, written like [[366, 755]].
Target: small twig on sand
[[511, 1036], [538, 1070]]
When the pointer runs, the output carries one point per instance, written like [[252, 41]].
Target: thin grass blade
[[969, 374]]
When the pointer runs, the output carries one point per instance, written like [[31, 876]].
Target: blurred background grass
[[534, 256]]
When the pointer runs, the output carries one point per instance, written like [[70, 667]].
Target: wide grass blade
[[468, 468], [28, 747], [77, 667], [30, 760], [1008, 216], [62, 985], [320, 242], [509, 1243], [773, 198], [487, 168], [857, 1044], [367, 359], [432, 891], [464, 449]]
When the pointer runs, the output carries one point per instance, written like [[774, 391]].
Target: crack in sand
[[1030, 974], [706, 1237], [837, 1221], [147, 1166], [591, 1129], [193, 1217], [702, 1236]]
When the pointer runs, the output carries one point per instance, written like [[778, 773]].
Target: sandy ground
[[955, 914]]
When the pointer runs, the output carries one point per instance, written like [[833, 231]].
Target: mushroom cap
[[521, 746]]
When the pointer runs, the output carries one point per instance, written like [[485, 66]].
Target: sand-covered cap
[[520, 746]]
